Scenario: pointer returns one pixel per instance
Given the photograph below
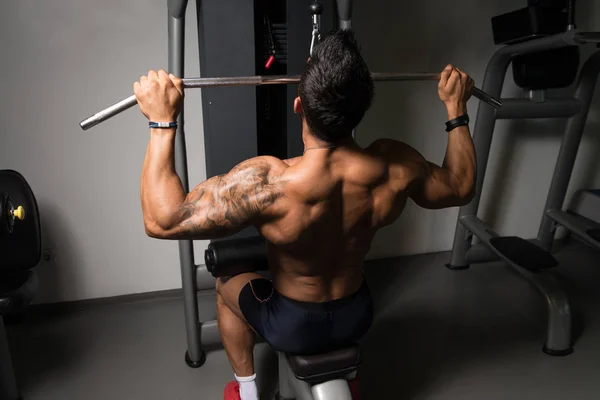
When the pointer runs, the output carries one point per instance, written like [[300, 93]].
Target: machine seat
[[323, 367]]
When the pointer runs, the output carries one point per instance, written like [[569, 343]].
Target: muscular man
[[319, 212]]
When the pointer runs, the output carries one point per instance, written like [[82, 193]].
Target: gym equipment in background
[[543, 69], [531, 258], [581, 218], [539, 19], [9, 214], [20, 252]]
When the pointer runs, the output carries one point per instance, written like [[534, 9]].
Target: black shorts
[[297, 327]]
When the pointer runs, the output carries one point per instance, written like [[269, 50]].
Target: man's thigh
[[229, 288]]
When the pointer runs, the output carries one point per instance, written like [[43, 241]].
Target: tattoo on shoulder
[[229, 201]]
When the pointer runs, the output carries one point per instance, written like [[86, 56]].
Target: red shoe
[[232, 391], [354, 389]]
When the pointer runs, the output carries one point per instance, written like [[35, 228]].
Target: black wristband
[[162, 125], [456, 122]]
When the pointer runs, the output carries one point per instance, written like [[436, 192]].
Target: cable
[[571, 14]]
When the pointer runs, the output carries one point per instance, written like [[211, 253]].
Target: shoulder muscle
[[252, 185], [404, 161]]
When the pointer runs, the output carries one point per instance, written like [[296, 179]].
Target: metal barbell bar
[[190, 83]]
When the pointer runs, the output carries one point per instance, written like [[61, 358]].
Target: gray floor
[[438, 334]]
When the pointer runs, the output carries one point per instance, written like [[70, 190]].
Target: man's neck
[[312, 142]]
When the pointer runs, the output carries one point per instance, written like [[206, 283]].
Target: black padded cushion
[[235, 256], [594, 234], [327, 366], [21, 249], [523, 253]]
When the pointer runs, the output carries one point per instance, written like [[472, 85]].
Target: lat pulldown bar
[[190, 83]]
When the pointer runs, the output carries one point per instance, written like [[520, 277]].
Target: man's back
[[334, 201]]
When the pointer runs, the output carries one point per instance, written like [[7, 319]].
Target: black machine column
[[226, 40], [237, 38]]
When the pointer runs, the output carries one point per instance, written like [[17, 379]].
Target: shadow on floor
[[419, 349], [38, 351]]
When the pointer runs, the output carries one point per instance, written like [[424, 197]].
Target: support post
[[344, 9], [194, 355], [569, 147], [484, 128]]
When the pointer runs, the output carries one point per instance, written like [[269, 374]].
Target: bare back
[[320, 211], [334, 202]]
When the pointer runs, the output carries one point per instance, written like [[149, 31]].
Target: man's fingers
[[465, 77], [444, 75], [471, 84], [136, 88], [152, 75], [454, 78], [143, 81], [154, 83], [178, 82], [163, 76]]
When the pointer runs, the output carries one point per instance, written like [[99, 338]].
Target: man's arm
[[452, 184], [217, 207], [430, 185]]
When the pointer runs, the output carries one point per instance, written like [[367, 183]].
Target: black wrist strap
[[456, 122], [161, 125]]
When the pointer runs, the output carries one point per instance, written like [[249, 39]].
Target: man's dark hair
[[336, 88]]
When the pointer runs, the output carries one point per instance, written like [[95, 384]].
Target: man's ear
[[298, 106]]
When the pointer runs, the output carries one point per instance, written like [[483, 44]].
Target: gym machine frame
[[575, 108]]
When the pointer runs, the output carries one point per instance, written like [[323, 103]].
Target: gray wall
[[64, 60], [68, 58]]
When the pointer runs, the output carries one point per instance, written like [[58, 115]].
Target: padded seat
[[317, 368]]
